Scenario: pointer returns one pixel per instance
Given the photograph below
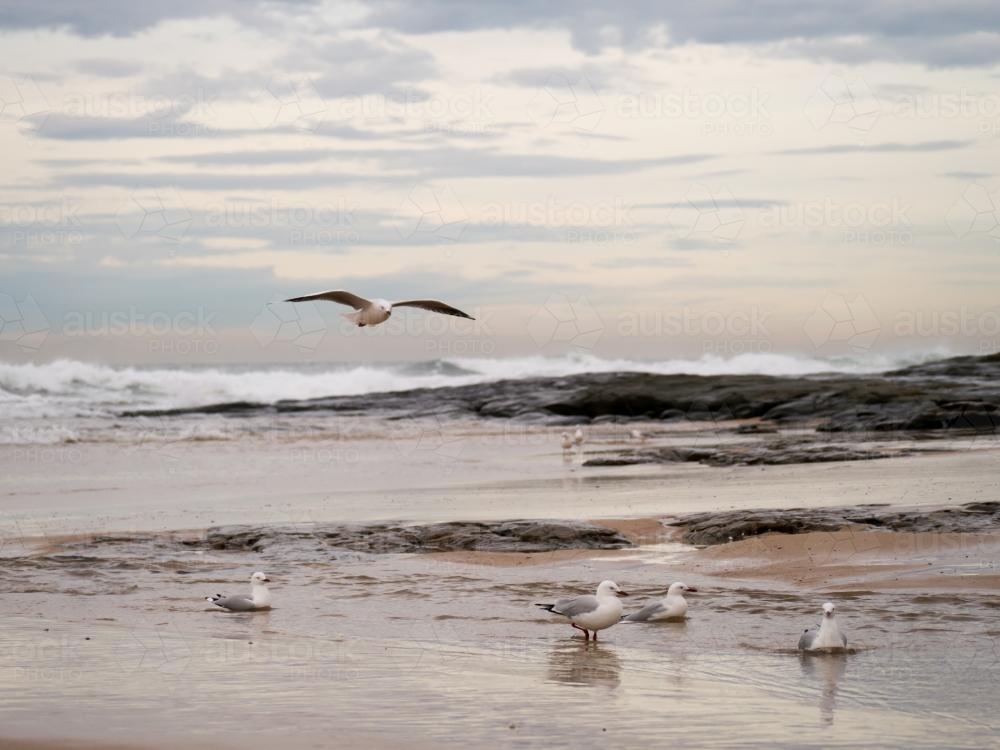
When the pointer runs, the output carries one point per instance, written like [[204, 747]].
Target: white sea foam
[[70, 388]]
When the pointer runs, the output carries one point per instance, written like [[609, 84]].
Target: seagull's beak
[[691, 590], [622, 593], [266, 580]]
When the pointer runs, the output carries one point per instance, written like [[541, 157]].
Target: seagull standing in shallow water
[[371, 312], [260, 597], [578, 437], [826, 636], [673, 607], [591, 612]]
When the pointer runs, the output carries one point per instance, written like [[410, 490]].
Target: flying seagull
[[590, 612], [825, 637], [371, 312], [260, 597]]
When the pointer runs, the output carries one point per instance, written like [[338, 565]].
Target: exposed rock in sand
[[503, 536], [727, 526], [772, 452]]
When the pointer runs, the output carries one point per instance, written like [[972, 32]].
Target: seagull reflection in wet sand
[[584, 663], [828, 670]]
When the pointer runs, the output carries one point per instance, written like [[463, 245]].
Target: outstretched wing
[[336, 295], [434, 306]]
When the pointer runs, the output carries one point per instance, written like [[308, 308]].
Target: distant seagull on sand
[[826, 636], [578, 437], [375, 311], [567, 442], [638, 436], [260, 597], [591, 612], [673, 607]]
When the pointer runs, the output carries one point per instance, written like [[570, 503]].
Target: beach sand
[[110, 644]]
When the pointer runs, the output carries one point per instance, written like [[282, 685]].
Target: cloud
[[125, 18], [105, 67], [356, 66], [936, 34], [906, 148], [444, 162], [932, 33], [968, 176], [964, 48], [61, 127], [64, 128]]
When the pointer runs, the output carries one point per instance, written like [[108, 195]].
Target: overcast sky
[[781, 177]]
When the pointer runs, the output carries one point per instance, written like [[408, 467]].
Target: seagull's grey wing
[[807, 639], [578, 605], [336, 295], [434, 306], [236, 603], [650, 610]]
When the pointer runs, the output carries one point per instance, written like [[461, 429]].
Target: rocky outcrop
[[957, 395], [499, 536], [727, 526]]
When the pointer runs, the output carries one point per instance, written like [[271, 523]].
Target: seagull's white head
[[258, 578], [828, 609], [384, 305], [610, 588], [676, 589]]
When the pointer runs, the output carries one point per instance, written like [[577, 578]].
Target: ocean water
[[73, 389]]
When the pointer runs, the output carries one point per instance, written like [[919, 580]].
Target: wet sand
[[109, 643]]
